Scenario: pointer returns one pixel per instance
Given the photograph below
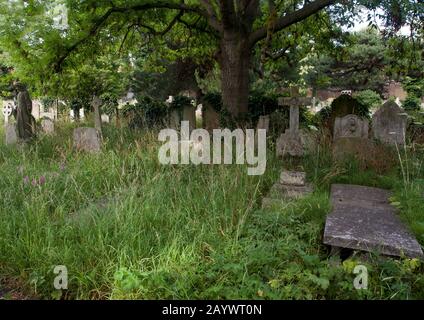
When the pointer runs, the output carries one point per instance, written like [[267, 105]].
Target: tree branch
[[212, 18], [290, 19], [157, 4]]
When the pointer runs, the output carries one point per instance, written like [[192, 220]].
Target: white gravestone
[[7, 110], [105, 118]]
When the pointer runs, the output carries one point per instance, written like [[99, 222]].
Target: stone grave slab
[[363, 219]]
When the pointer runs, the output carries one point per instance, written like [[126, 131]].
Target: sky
[[362, 23]]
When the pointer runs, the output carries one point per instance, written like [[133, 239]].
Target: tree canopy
[[48, 50]]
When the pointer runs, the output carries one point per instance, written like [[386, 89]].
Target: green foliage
[[213, 100], [370, 99], [180, 102], [129, 228], [147, 113], [412, 103], [414, 86]]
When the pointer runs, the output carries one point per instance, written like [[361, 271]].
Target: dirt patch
[[14, 290]]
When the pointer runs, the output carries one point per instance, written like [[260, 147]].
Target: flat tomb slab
[[363, 219]]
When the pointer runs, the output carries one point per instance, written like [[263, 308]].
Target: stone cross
[[7, 111], [295, 102]]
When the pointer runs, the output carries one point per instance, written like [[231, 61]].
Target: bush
[[146, 113], [180, 102], [412, 103], [369, 98]]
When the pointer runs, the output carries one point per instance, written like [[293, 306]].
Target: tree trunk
[[235, 58]]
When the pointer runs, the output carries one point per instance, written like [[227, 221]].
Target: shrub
[[370, 99], [180, 102], [146, 113], [412, 103]]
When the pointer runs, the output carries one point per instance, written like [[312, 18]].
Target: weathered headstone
[[350, 137], [290, 143], [351, 126], [341, 107], [87, 139], [47, 125], [292, 185], [11, 135], [363, 219], [389, 124]]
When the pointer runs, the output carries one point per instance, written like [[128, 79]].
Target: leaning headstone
[[87, 139], [47, 125], [389, 124], [11, 135], [363, 219], [292, 185], [290, 143]]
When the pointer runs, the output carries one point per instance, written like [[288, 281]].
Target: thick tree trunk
[[235, 58]]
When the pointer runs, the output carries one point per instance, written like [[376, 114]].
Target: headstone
[[11, 135], [341, 107], [363, 219], [290, 143], [7, 110], [263, 123], [47, 125], [292, 185], [36, 110], [105, 118], [351, 126], [175, 119], [189, 114], [87, 139], [389, 124]]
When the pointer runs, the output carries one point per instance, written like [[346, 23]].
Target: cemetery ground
[[126, 226]]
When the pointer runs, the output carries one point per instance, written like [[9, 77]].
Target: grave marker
[[363, 219], [291, 141], [389, 124]]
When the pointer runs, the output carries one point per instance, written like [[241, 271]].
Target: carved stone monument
[[351, 126]]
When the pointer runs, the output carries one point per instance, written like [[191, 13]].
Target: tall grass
[[126, 226]]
